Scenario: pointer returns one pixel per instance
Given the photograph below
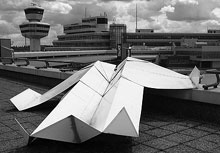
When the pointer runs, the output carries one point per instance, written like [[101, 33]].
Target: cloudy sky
[[161, 15]]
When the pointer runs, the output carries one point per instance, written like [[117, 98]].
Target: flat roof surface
[[158, 132]]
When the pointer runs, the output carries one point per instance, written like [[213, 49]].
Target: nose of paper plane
[[122, 125], [70, 129]]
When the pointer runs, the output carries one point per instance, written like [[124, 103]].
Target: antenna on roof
[[85, 12], [33, 4], [136, 17]]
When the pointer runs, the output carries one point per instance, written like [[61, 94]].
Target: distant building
[[34, 29], [116, 32], [173, 49], [204, 56], [166, 39], [91, 33], [189, 42], [89, 24], [213, 31]]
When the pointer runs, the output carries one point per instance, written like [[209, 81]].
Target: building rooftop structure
[[88, 24], [34, 29], [90, 33], [166, 39]]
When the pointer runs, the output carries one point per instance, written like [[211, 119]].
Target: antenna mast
[[136, 17], [85, 12]]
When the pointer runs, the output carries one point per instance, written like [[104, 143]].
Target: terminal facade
[[174, 49], [91, 33], [94, 33]]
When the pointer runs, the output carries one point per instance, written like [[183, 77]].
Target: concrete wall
[[46, 77], [5, 43], [5, 50]]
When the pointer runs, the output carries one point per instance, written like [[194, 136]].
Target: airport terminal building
[[94, 33], [174, 49], [91, 33]]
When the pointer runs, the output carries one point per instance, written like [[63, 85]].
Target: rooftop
[[162, 129]]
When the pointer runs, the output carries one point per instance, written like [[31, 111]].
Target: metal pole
[[25, 41], [85, 12], [136, 17]]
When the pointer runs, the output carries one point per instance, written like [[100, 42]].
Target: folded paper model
[[102, 98]]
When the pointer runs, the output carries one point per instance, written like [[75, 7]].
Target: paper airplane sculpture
[[105, 99]]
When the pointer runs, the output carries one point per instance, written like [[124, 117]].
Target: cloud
[[78, 12], [210, 24], [188, 12], [194, 2], [192, 10], [14, 5], [7, 28], [116, 0], [168, 8], [16, 39], [57, 7], [216, 12], [13, 17]]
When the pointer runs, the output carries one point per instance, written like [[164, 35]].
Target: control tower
[[33, 28]]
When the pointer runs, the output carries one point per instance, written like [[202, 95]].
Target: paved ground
[[158, 132]]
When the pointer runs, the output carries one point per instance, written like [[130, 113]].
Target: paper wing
[[29, 98], [151, 75]]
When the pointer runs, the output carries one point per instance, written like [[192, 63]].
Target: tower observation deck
[[33, 28]]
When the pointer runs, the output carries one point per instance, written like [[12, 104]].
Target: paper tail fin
[[195, 76], [26, 135]]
